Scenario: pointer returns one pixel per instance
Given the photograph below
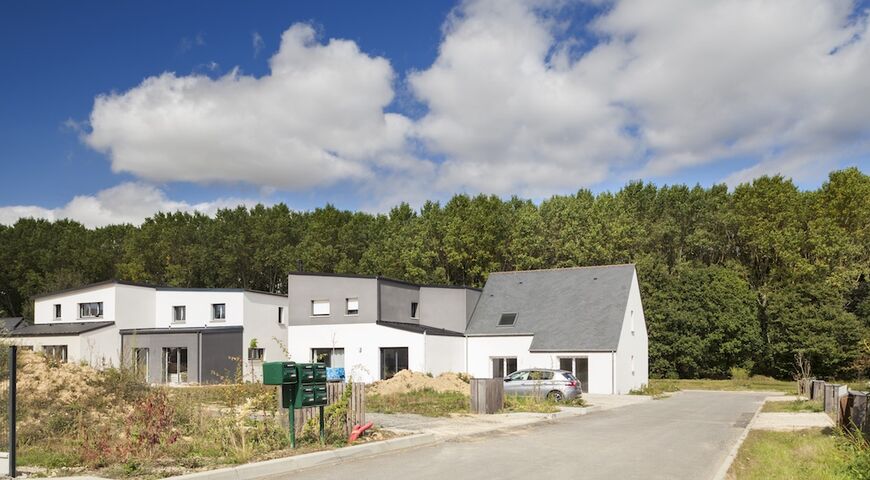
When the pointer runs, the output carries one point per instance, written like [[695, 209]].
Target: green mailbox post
[[302, 385]]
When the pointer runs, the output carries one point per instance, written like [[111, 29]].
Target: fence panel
[[334, 391], [487, 395]]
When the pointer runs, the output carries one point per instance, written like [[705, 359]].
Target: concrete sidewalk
[[790, 421]]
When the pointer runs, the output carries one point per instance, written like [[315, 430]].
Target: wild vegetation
[[743, 278]]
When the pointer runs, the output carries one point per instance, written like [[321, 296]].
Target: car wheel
[[555, 396]]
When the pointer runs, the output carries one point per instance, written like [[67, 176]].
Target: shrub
[[739, 374]]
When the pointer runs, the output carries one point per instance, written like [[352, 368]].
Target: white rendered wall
[[632, 344], [444, 354], [481, 350], [261, 323], [73, 344], [198, 305], [361, 343], [43, 308], [101, 348], [134, 306]]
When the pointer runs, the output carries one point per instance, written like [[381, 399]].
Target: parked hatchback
[[554, 385]]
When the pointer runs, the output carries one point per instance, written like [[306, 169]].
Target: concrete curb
[[722, 473], [281, 466]]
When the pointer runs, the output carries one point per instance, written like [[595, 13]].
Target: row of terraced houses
[[588, 320]]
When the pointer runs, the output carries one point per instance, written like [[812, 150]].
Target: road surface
[[686, 436]]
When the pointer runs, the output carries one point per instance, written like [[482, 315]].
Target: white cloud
[[514, 110], [317, 118], [129, 202], [257, 43]]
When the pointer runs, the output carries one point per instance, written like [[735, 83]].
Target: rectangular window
[[320, 308], [57, 311], [179, 314], [393, 360], [140, 363], [632, 322], [219, 311], [280, 315], [414, 309], [332, 357], [256, 354], [352, 306], [502, 366], [579, 366], [91, 310], [174, 365], [56, 353], [507, 319]]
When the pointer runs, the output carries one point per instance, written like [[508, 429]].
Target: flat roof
[[385, 279], [58, 329], [155, 287], [417, 328], [171, 330]]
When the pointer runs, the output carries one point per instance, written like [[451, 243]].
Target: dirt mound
[[408, 381]]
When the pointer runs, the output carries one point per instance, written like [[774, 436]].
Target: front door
[[393, 360]]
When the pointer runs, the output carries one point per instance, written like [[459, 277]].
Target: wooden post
[[13, 391]]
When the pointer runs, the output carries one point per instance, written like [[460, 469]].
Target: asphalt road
[[686, 436]]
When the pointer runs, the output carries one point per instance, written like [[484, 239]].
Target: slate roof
[[416, 328], [58, 329], [7, 324], [568, 309]]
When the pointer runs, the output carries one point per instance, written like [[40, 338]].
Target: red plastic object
[[357, 431]]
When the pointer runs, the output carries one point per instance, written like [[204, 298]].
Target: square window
[[507, 319], [179, 313], [57, 311], [320, 308], [352, 306], [219, 311]]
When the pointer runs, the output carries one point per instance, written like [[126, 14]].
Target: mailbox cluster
[[302, 385]]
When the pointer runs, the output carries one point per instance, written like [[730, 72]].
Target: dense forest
[[742, 278]]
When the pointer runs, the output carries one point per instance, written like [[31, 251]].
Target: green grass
[[422, 402], [812, 454], [755, 383], [514, 403], [793, 406]]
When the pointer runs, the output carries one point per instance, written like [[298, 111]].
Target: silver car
[[556, 385]]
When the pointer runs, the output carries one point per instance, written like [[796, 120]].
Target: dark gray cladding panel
[[155, 343], [221, 352]]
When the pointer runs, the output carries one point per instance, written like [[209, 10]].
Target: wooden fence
[[356, 414], [850, 409], [487, 395]]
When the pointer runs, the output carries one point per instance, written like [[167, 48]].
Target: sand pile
[[408, 381]]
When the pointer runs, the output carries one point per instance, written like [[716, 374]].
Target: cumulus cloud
[[668, 85], [129, 202], [316, 119]]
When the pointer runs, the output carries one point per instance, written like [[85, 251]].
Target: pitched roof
[[155, 287], [7, 324], [58, 329], [417, 328], [568, 309]]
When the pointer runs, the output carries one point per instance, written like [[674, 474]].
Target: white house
[[374, 326], [587, 320], [172, 335]]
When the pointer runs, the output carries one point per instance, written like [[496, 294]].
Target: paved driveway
[[686, 436]]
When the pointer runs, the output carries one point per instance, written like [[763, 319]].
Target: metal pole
[[292, 411], [322, 436], [13, 369]]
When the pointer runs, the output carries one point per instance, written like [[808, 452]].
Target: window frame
[[280, 315], [183, 313], [261, 354], [502, 317], [328, 308], [88, 305], [347, 309], [503, 360], [214, 316], [50, 351], [330, 352], [58, 311]]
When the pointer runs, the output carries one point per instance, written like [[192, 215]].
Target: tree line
[[743, 278]]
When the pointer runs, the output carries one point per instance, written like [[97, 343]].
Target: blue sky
[[481, 96]]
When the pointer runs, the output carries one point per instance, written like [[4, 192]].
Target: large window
[[55, 352], [392, 361], [352, 305], [320, 308], [502, 366], [57, 311], [579, 366], [140, 363], [174, 365], [219, 311], [91, 310], [332, 357], [179, 313]]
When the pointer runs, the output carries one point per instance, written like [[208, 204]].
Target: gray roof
[[568, 309], [58, 329], [417, 328], [7, 324]]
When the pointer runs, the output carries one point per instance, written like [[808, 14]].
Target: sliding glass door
[[393, 360], [174, 365]]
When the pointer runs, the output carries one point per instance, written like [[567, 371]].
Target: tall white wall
[[198, 305], [73, 344], [69, 302], [261, 323], [444, 354], [101, 348], [632, 354], [481, 351], [361, 344]]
